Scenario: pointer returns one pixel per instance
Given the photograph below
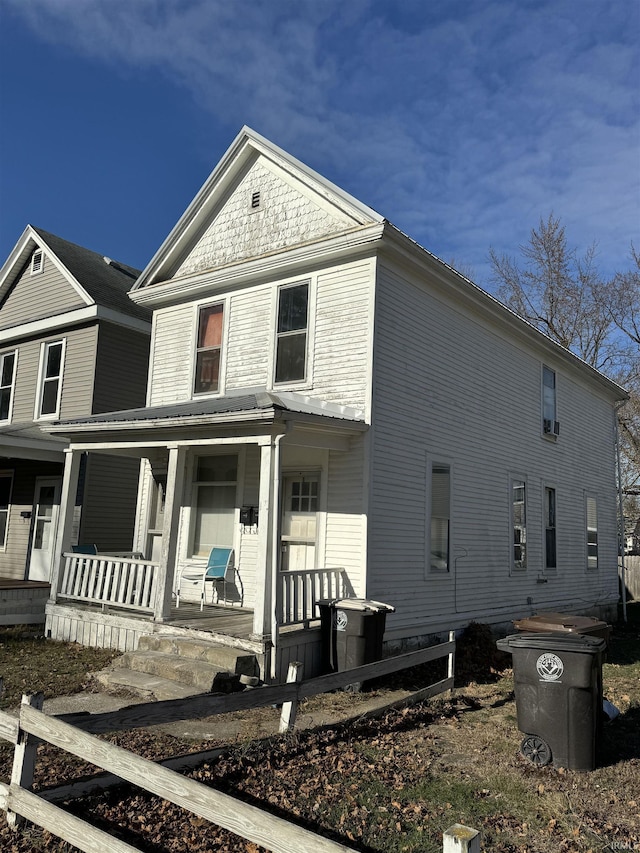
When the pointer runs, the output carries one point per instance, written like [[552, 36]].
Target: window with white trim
[[550, 544], [50, 381], [37, 262], [8, 362], [440, 523], [214, 503], [6, 483], [292, 333], [519, 524], [550, 423], [591, 511], [208, 349]]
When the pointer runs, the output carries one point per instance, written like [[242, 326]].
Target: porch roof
[[28, 441], [246, 406]]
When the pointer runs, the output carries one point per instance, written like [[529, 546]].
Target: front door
[[43, 530], [299, 521]]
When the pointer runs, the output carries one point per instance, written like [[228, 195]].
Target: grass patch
[[29, 664]]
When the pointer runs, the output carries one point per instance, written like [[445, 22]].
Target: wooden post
[[460, 839], [451, 666], [24, 755], [290, 709]]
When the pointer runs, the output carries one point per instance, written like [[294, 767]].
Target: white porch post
[[173, 502], [65, 517], [263, 600]]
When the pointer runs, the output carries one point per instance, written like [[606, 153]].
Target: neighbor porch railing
[[126, 582], [300, 592]]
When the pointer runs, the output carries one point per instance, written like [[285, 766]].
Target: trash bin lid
[[562, 622], [554, 641], [365, 604]]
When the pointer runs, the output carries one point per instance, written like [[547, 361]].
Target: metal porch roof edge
[[248, 405]]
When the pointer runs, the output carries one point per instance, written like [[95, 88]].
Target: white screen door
[[299, 521], [45, 516]]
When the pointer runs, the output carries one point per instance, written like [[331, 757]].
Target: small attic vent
[[37, 262], [256, 201]]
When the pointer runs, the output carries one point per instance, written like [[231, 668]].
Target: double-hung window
[[214, 502], [50, 382], [439, 545], [209, 349], [7, 379], [6, 481], [591, 508], [292, 333], [550, 552], [550, 424], [519, 524]]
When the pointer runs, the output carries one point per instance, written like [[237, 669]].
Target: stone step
[[147, 687], [223, 656], [201, 674]]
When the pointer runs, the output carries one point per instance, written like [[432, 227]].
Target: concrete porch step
[[142, 685], [167, 667]]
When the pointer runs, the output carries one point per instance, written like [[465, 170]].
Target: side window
[[291, 333], [519, 524], [591, 507], [550, 423], [208, 349], [50, 379], [7, 379], [439, 544], [6, 482], [550, 550]]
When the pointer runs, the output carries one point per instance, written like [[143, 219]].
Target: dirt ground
[[393, 782]]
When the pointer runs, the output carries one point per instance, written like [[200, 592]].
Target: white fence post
[[460, 839], [24, 755], [290, 709]]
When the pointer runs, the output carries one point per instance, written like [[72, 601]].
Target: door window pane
[[214, 502]]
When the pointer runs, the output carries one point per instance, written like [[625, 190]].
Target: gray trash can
[[352, 633], [558, 689]]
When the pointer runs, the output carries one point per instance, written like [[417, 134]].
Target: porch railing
[[301, 591], [108, 580]]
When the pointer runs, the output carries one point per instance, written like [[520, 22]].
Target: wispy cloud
[[463, 122]]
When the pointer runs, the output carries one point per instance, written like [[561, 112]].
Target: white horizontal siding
[[172, 352], [249, 339], [449, 385], [342, 337]]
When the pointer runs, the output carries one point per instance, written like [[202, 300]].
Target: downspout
[[622, 572], [275, 548]]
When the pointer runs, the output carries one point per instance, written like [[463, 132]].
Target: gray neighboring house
[[72, 343]]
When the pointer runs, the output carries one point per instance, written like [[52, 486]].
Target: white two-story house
[[353, 418]]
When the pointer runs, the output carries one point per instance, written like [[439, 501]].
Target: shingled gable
[[96, 280], [220, 228]]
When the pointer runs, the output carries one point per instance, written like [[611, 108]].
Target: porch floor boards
[[214, 620], [8, 583]]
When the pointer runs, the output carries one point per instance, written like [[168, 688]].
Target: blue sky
[[461, 121]]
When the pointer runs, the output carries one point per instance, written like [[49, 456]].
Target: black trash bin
[[558, 689], [352, 633]]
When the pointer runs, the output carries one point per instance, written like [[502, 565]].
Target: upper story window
[[291, 333], [550, 424], [50, 379], [37, 262], [519, 523], [7, 379], [6, 481], [208, 349]]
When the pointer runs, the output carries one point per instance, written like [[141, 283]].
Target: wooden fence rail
[[70, 732]]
